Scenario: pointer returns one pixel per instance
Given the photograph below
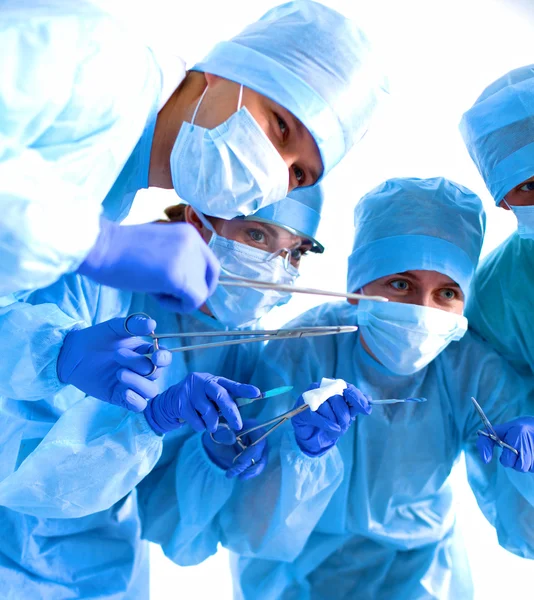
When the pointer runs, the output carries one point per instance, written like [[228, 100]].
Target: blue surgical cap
[[417, 224], [300, 212], [498, 131], [315, 63]]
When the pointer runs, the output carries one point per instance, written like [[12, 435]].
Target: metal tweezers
[[281, 419], [258, 335], [491, 433], [267, 285]]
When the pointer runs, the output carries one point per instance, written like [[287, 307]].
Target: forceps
[[282, 287], [491, 433], [244, 401], [258, 335], [281, 419]]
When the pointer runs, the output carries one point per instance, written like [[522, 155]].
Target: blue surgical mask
[[240, 306], [229, 171], [525, 220], [406, 337]]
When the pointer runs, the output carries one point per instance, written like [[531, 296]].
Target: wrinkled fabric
[[315, 63], [230, 170], [299, 212], [79, 98], [386, 529], [406, 337], [408, 223], [499, 308], [498, 131], [69, 464]]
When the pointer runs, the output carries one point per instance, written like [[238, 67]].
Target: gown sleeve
[[72, 107], [188, 506], [505, 496]]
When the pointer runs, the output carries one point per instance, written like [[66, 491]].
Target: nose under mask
[[406, 337]]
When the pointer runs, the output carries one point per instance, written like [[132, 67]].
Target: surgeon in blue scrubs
[[70, 462], [356, 500], [503, 150], [89, 116]]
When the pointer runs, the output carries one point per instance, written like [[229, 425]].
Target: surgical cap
[[299, 212], [315, 63], [417, 224], [498, 131]]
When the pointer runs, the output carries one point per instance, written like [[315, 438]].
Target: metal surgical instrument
[[267, 285], [258, 335], [491, 433], [281, 419], [245, 401]]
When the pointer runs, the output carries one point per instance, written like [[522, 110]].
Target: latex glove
[[252, 461], [197, 400], [519, 434], [316, 432], [169, 260], [106, 362]]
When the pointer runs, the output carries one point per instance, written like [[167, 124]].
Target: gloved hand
[[316, 432], [171, 261], [252, 461], [106, 362], [519, 434], [197, 400]]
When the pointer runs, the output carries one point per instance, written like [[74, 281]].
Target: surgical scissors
[[281, 419], [282, 287], [491, 433], [258, 335]]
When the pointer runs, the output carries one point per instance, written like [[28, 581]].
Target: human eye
[[400, 285], [448, 294], [284, 129], [527, 187], [257, 235], [300, 175]]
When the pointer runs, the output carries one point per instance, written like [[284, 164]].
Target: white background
[[439, 56]]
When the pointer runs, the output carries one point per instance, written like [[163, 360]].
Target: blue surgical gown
[[70, 464], [500, 305], [78, 103], [373, 518]]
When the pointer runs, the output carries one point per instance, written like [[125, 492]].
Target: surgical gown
[[371, 519], [500, 307], [79, 97], [69, 464]]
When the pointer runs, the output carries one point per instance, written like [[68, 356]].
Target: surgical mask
[[229, 171], [525, 220], [407, 337], [239, 306]]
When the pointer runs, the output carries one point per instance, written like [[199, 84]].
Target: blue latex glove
[[316, 432], [197, 400], [169, 260], [252, 461], [106, 362], [519, 434]]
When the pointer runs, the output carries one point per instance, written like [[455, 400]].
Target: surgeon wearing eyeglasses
[[78, 437], [90, 116], [356, 500]]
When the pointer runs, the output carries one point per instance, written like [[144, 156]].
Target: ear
[[212, 79], [191, 217]]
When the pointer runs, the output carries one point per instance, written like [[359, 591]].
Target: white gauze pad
[[329, 388]]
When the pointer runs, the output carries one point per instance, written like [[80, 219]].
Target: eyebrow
[[450, 284]]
